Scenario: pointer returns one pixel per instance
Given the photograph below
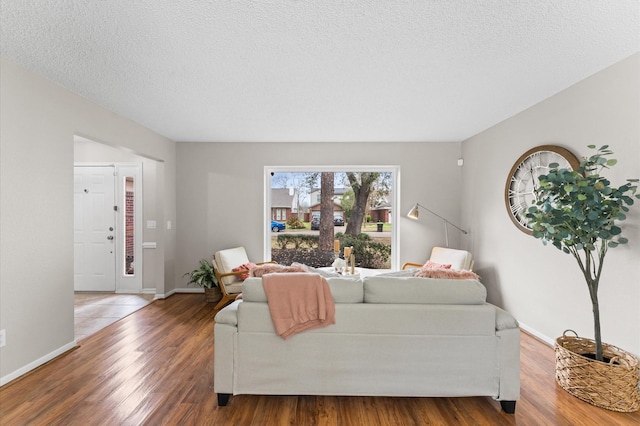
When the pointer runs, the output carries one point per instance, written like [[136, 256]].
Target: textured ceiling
[[291, 70]]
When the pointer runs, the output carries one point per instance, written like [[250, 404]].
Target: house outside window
[[283, 203]]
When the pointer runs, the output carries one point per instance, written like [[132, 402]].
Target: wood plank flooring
[[155, 367]]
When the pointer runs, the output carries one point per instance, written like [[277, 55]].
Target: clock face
[[519, 192]]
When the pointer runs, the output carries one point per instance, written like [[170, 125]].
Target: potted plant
[[577, 212], [205, 277]]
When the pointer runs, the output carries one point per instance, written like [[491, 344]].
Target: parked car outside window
[[277, 226], [315, 224], [338, 221]]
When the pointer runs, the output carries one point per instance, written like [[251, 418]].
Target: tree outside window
[[354, 208]]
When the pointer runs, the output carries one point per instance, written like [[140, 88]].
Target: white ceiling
[[325, 70]]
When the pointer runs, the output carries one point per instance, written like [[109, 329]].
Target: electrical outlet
[[3, 338]]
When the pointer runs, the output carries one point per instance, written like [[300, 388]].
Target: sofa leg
[[223, 399], [508, 407]]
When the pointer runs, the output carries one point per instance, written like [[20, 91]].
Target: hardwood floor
[[155, 367]]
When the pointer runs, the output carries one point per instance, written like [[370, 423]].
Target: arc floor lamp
[[414, 213]]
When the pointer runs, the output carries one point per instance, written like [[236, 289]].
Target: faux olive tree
[[577, 212]]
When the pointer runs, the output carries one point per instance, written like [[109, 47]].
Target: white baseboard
[[551, 341], [37, 363], [148, 291], [178, 291], [535, 333], [163, 295]]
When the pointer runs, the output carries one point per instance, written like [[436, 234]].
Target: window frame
[[395, 194]]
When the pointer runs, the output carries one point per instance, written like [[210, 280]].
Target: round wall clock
[[522, 180]]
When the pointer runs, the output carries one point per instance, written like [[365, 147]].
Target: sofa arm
[[509, 356], [508, 334], [229, 314], [504, 320], [224, 347], [225, 334]]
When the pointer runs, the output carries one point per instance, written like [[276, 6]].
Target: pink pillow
[[434, 265], [246, 267], [447, 274]]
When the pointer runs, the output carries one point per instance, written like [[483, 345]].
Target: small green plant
[[577, 210], [204, 276]]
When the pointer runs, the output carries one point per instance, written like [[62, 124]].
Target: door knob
[[110, 237]]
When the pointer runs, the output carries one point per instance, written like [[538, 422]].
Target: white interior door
[[94, 228]]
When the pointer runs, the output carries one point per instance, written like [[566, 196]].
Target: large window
[[329, 207]]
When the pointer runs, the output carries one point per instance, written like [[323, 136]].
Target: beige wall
[[540, 285], [38, 123], [220, 195]]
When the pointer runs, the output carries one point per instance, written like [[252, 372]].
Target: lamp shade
[[413, 213]]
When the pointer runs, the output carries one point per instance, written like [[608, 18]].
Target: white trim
[[163, 295], [129, 282], [37, 363], [535, 333], [395, 190], [548, 340]]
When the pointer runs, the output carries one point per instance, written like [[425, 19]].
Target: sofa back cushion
[[385, 289], [343, 290]]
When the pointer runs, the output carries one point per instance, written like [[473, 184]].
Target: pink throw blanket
[[298, 302]]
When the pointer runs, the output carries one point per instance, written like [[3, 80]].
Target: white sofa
[[395, 335]]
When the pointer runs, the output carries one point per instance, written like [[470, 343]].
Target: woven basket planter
[[612, 385], [212, 295]]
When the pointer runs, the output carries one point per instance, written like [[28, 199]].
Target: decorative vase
[[612, 385], [212, 295]]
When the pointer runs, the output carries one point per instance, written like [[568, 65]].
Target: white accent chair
[[460, 260], [224, 261]]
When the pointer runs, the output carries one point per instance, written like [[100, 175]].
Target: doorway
[[108, 227]]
